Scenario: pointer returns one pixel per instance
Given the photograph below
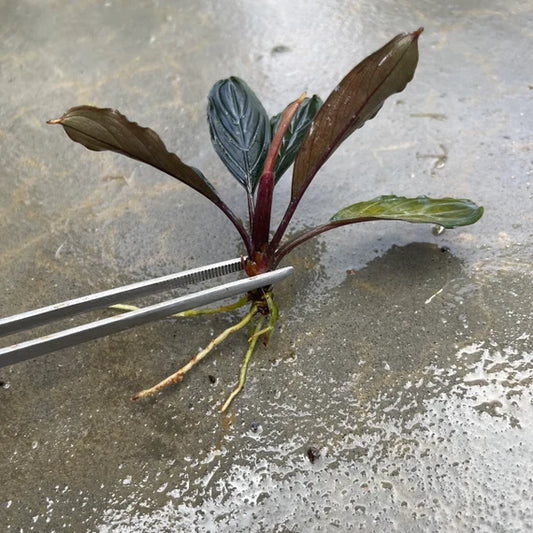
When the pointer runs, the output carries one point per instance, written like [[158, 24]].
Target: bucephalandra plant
[[257, 150]]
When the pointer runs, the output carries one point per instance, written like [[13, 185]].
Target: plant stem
[[263, 209], [261, 221], [178, 376], [250, 196], [244, 367], [274, 243], [238, 225], [289, 246]]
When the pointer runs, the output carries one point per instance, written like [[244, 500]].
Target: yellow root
[[244, 367], [258, 334], [124, 307], [256, 330], [192, 312], [178, 376]]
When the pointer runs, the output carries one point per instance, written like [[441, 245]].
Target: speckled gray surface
[[404, 358]]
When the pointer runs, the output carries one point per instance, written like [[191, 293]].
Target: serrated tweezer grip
[[44, 315], [70, 337]]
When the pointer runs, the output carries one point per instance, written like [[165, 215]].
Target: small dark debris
[[255, 426], [313, 453], [280, 49], [2, 383], [212, 378]]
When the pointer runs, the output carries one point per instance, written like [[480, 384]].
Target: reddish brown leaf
[[355, 100], [107, 129]]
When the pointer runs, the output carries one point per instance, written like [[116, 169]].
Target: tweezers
[[100, 328]]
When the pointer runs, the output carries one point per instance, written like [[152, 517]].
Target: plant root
[[273, 312], [191, 312], [178, 376], [124, 307], [242, 375], [256, 334], [261, 308]]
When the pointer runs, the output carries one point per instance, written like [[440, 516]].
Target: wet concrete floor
[[397, 393]]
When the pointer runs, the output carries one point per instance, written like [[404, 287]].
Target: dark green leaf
[[355, 100], [446, 212], [107, 129], [240, 129], [293, 138]]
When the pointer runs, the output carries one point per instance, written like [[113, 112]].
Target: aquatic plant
[[257, 150]]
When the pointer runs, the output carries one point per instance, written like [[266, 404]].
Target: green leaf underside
[[240, 129], [447, 212], [357, 98], [293, 138], [101, 129]]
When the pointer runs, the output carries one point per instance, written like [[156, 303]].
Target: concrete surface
[[404, 358]]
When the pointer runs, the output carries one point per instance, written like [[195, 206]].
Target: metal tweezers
[[100, 328]]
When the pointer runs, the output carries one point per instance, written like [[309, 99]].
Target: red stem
[[238, 226], [263, 207], [289, 246], [293, 204], [250, 195]]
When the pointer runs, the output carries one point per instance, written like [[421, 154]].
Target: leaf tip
[[416, 34]]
